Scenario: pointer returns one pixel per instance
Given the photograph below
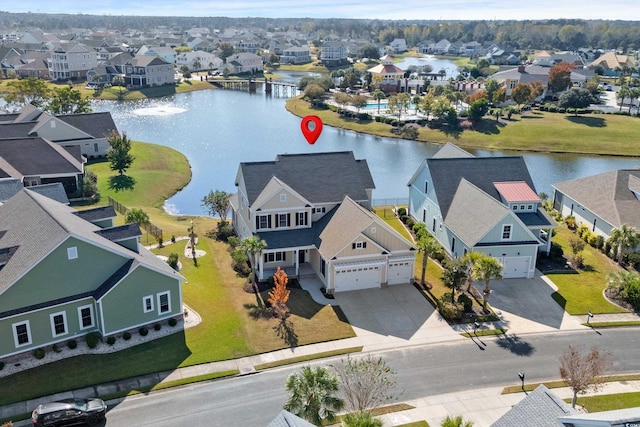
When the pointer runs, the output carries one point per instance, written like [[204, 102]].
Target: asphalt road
[[254, 400]]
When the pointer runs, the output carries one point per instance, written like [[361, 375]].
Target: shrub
[[571, 222], [157, 326], [467, 303], [72, 344], [173, 322], [173, 239], [596, 241], [582, 230], [173, 260], [606, 248], [126, 336], [92, 339], [419, 229], [56, 349], [111, 340], [633, 259], [143, 331], [450, 311], [631, 293], [402, 212], [38, 353], [556, 250], [410, 223]]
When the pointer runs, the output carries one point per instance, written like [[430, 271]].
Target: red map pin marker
[[310, 134]]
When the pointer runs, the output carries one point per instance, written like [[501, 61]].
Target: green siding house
[[65, 273]]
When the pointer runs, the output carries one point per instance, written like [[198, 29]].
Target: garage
[[354, 276], [400, 271], [515, 267]]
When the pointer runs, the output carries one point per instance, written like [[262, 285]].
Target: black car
[[69, 412]]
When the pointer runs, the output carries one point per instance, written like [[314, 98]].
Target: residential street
[[254, 400]]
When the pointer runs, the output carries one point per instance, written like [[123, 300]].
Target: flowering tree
[[280, 295]]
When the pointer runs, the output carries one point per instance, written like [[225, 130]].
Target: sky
[[354, 9]]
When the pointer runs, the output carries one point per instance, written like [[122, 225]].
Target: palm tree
[[624, 237], [623, 93], [118, 80], [361, 419], [427, 246], [455, 272], [456, 422], [471, 258], [253, 246], [487, 268], [378, 95], [138, 216], [312, 395]]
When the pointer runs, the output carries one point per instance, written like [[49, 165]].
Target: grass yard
[[609, 402], [582, 292], [387, 214], [533, 131], [230, 327]]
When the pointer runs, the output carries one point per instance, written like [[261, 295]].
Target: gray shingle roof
[[287, 419], [318, 177], [97, 214], [9, 188], [121, 232], [37, 156], [53, 191], [608, 195], [98, 125], [540, 405], [482, 172], [37, 224]]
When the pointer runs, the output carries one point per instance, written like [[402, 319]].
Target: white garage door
[[400, 272], [515, 267], [357, 277]]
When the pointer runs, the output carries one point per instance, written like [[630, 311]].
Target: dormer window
[[283, 197], [506, 232], [359, 245], [515, 207]]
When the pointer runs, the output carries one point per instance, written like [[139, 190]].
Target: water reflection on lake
[[218, 129]]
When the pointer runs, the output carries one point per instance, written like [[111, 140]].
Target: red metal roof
[[516, 191]]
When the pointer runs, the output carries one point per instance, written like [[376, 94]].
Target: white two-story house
[[314, 209]]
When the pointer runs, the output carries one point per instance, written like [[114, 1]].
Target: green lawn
[[609, 402], [387, 214], [535, 131], [582, 292]]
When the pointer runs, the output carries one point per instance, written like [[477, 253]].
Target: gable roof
[[610, 195], [318, 177], [482, 172], [36, 224], [37, 156], [516, 191], [487, 212], [98, 125], [540, 405], [349, 222], [450, 150]]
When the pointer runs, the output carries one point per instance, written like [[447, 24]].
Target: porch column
[[297, 262], [549, 234], [261, 264]]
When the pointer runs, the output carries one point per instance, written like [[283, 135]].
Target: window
[[323, 266], [164, 304], [521, 207], [263, 221], [424, 215], [506, 232], [95, 147], [433, 227], [275, 256], [515, 207], [283, 220], [301, 218], [58, 323], [85, 315], [426, 187], [530, 207], [283, 197], [147, 304], [358, 245], [319, 210], [21, 333], [72, 252], [453, 244]]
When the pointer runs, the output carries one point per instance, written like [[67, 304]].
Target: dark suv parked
[[69, 412]]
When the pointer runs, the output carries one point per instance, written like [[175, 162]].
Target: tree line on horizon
[[564, 34]]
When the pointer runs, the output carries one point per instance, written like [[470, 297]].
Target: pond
[[218, 129]]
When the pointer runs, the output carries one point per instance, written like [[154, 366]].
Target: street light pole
[[589, 316], [521, 376]]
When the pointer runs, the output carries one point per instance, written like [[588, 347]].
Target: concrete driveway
[[383, 318], [525, 305]]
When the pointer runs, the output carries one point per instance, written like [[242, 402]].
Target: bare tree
[[365, 383], [583, 372]]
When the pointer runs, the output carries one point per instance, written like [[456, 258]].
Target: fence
[[150, 228], [391, 202]]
